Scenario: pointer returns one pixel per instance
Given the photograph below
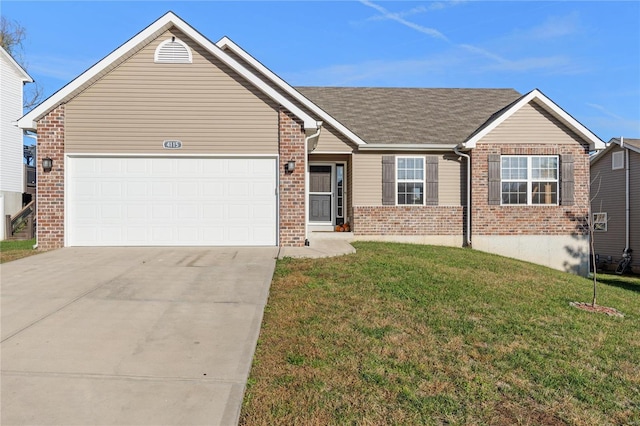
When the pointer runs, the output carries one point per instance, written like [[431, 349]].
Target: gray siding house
[[615, 202]]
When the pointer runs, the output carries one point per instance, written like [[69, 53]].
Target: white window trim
[[617, 160], [599, 224], [530, 179], [424, 164]]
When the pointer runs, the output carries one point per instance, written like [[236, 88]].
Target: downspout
[[306, 178], [462, 154], [35, 138], [627, 207]]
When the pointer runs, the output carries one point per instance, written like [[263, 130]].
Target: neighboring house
[[615, 202], [175, 140], [12, 182]]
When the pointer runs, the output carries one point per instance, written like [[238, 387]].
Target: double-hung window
[[529, 180], [410, 180]]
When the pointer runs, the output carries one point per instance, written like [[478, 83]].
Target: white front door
[[137, 201]]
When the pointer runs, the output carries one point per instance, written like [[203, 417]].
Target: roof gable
[[126, 50], [24, 76], [595, 143], [627, 143]]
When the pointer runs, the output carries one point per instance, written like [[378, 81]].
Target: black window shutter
[[388, 180], [495, 187], [566, 194], [431, 180]]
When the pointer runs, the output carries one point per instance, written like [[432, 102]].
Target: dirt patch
[[597, 308]]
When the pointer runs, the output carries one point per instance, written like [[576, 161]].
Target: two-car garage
[[171, 201]]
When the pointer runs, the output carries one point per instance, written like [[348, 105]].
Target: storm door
[[320, 194]]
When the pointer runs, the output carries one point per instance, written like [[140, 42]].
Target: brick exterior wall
[[529, 220], [408, 220], [50, 185], [292, 196]]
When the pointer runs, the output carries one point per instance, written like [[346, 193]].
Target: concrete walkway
[[322, 244], [131, 336]]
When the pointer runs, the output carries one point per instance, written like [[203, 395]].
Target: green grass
[[13, 250], [409, 334]]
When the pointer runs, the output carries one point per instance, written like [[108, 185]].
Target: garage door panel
[[171, 201]]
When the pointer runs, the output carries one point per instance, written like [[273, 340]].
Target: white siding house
[[12, 79]]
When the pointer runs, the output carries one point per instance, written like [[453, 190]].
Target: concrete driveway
[[105, 336]]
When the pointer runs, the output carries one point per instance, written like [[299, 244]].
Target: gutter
[[406, 147], [468, 224], [307, 139]]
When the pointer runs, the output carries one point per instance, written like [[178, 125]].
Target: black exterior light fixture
[[291, 165], [47, 164]]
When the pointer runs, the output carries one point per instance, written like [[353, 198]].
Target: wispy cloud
[[614, 124], [405, 14], [605, 111], [409, 72], [398, 18], [553, 27], [64, 69]]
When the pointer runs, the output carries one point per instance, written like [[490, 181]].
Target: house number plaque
[[172, 144]]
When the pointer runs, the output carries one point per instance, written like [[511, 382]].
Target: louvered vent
[[173, 51]]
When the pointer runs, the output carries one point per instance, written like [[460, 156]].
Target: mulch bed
[[597, 308]]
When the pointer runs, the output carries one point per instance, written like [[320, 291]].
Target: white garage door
[[171, 201]]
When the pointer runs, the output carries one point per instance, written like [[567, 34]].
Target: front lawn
[[409, 334], [13, 250]]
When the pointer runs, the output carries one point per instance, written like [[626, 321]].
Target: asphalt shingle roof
[[411, 115]]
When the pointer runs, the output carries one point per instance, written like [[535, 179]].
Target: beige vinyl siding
[[531, 124], [367, 178], [452, 180], [139, 104], [608, 196], [332, 141]]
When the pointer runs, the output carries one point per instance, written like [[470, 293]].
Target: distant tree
[[12, 34]]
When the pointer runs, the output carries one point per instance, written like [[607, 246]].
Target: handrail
[[24, 215]]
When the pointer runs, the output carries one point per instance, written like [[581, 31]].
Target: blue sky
[[583, 55]]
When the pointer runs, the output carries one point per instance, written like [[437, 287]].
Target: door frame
[[330, 226]]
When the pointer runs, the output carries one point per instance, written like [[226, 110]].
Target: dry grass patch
[[14, 250], [405, 334]]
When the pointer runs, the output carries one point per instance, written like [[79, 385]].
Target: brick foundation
[[408, 220], [529, 220], [50, 185], [292, 196]]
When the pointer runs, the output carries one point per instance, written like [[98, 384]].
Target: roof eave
[[24, 75]]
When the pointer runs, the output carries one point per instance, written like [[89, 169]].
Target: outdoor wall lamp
[[47, 164], [291, 165]]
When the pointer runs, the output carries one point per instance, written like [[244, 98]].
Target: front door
[[321, 194]]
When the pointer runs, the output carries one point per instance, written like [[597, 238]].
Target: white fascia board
[[406, 147], [226, 42], [165, 22], [29, 119], [24, 76], [595, 143]]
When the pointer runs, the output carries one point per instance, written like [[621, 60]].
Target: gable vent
[[173, 51]]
